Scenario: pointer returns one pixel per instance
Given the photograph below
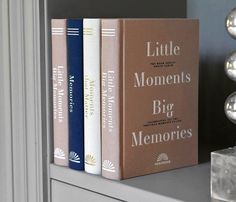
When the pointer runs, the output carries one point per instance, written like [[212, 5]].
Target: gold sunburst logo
[[90, 160]]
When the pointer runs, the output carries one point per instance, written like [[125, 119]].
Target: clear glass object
[[230, 66], [230, 107], [230, 23], [223, 174]]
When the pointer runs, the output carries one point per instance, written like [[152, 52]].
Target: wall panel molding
[[6, 182], [21, 120]]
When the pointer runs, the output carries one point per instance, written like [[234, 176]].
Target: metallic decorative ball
[[230, 66], [230, 107], [230, 23]]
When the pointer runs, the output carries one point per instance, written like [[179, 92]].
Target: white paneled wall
[[20, 102]]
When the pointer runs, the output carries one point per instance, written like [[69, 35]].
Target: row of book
[[124, 95]]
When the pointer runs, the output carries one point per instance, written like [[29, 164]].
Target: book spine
[[111, 112], [75, 93], [92, 120], [60, 99]]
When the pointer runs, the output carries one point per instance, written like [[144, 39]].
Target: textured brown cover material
[[149, 95], [60, 99]]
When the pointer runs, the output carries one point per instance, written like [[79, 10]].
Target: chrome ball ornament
[[230, 23], [230, 66], [230, 107]]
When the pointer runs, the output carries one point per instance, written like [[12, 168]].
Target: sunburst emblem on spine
[[90, 160], [108, 166], [74, 157], [59, 153], [162, 157]]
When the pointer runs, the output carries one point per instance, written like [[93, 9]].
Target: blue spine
[[75, 93]]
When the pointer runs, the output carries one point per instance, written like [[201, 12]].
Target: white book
[[92, 121]]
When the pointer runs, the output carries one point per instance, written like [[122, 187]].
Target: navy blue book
[[75, 93]]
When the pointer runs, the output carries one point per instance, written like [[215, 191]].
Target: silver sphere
[[231, 23], [230, 107], [230, 66]]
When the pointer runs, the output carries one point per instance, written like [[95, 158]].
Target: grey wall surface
[[215, 130], [121, 8]]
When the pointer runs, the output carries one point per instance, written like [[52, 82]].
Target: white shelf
[[190, 184]]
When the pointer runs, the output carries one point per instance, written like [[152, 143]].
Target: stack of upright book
[[125, 95]]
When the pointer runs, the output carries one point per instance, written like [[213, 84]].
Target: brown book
[[149, 85], [60, 99]]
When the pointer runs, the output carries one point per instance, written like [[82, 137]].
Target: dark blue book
[[75, 93]]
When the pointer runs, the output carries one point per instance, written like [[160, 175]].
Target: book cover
[[59, 84], [149, 96], [92, 112], [75, 93]]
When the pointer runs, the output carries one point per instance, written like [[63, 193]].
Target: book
[[75, 93], [149, 96], [92, 113], [59, 85]]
